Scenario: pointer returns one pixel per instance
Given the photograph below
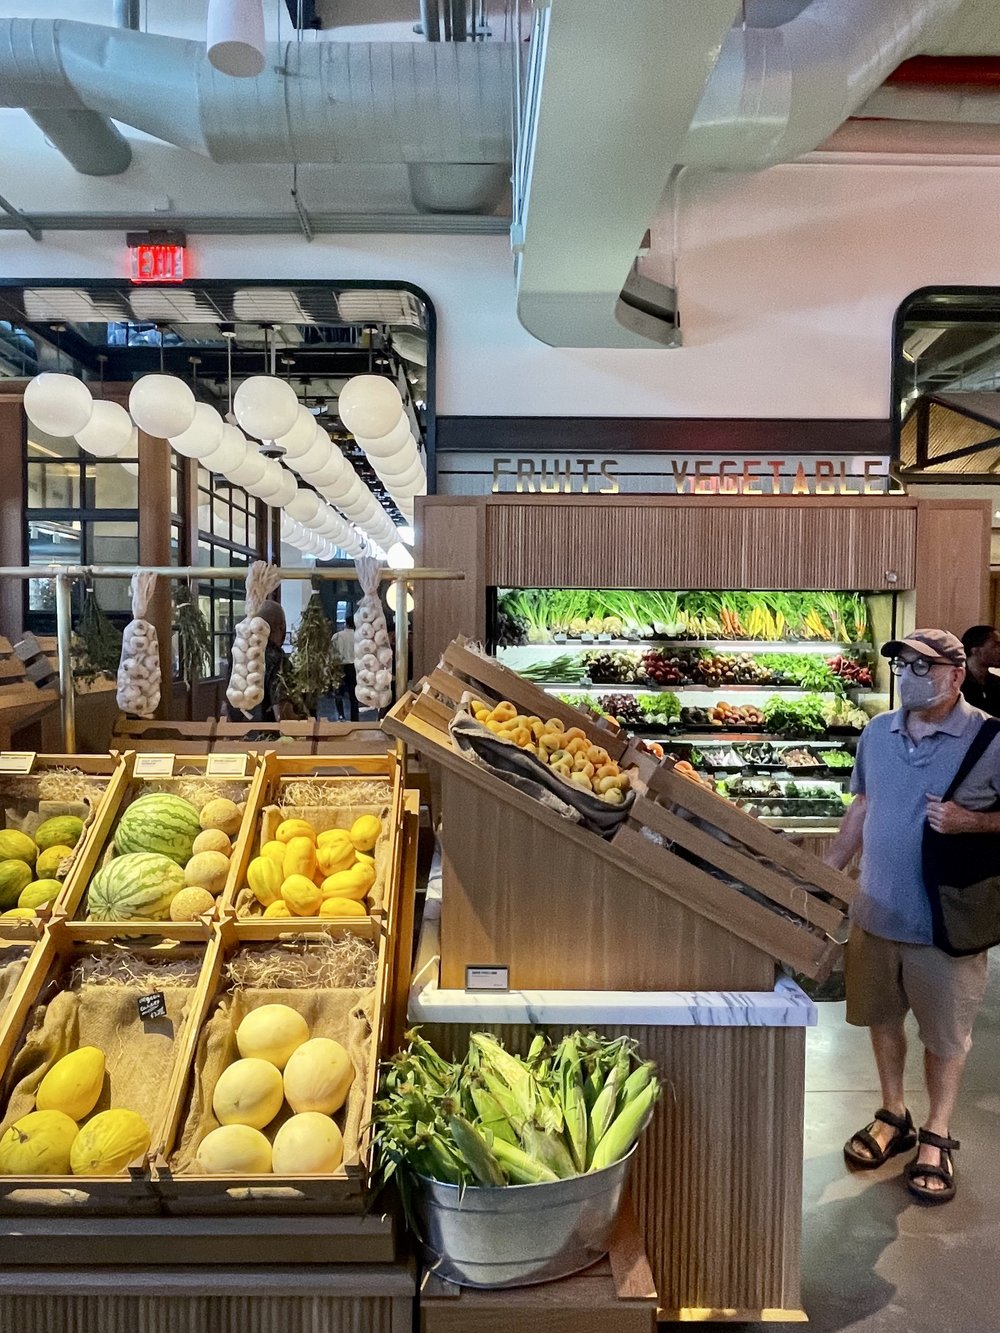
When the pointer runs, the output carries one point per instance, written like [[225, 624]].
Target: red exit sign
[[156, 259]]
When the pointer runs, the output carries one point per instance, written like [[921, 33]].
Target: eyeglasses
[[919, 666]]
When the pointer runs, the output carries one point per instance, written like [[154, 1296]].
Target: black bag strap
[[988, 730]]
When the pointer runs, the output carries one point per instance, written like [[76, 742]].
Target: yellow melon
[[302, 895], [272, 1032], [212, 840], [365, 832], [190, 904], [309, 1144], [108, 1143], [249, 1092], [207, 870], [234, 1150], [73, 1084], [318, 1076], [39, 1144], [221, 814]]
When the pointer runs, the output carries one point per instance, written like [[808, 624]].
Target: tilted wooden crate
[[562, 908]]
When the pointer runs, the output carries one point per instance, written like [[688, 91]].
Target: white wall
[[788, 282]]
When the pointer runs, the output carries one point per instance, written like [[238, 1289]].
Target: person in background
[[346, 697], [981, 688], [269, 709], [906, 759]]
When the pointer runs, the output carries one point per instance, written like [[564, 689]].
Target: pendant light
[[235, 37], [60, 405], [108, 432], [202, 437], [369, 405]]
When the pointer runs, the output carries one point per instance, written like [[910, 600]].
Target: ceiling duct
[[315, 102], [611, 110]]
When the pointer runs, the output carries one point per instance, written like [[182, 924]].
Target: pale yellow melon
[[309, 1144], [234, 1150], [249, 1092], [318, 1076], [272, 1032]]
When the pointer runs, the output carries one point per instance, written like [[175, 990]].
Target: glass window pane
[[113, 485], [42, 446], [240, 528], [113, 544], [50, 543], [53, 484]]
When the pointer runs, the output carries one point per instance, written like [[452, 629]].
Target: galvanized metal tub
[[521, 1234]]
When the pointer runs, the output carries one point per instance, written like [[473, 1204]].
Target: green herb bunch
[[310, 672], [194, 639], [97, 643]]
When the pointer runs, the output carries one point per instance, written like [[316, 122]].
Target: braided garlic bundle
[[372, 650], [139, 670], [246, 680]]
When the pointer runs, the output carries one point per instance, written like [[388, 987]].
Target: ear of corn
[[496, 1119]]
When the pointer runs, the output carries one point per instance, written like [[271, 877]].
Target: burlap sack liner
[[322, 817], [13, 960], [233, 791], [344, 1015], [139, 1054]]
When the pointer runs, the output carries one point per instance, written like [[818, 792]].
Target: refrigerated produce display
[[765, 693]]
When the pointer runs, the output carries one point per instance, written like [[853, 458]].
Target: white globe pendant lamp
[[266, 406], [335, 467], [251, 470], [387, 446], [304, 506], [317, 456], [413, 468], [413, 484], [108, 432], [271, 484], [230, 452], [235, 37], [287, 490], [59, 405], [162, 405], [370, 406], [202, 437], [299, 439]]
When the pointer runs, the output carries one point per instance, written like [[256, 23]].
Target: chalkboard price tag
[[152, 1006]]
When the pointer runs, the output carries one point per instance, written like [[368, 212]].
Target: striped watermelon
[[167, 825], [137, 886]]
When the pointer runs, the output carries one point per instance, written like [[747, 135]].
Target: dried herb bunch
[[310, 672], [97, 643], [194, 640]]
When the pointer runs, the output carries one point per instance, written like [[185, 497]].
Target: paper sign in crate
[[211, 1045], [463, 670], [310, 788], [84, 785], [188, 776], [52, 1012]]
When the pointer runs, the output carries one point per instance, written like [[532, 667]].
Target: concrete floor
[[874, 1259]]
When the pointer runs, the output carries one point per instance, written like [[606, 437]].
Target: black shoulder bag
[[962, 872]]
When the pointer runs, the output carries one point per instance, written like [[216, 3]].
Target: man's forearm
[[847, 842], [982, 821]]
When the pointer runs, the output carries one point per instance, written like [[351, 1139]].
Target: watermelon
[[166, 825], [137, 886]]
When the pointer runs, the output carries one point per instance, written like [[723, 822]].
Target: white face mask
[[920, 692]]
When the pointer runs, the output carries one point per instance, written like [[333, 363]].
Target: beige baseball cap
[[930, 643]]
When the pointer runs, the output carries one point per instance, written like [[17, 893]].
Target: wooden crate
[[110, 772], [344, 1191], [463, 670], [616, 1295], [312, 736], [73, 902], [131, 1191], [343, 771], [717, 1181]]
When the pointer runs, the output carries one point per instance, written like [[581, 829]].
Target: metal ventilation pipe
[[444, 20], [126, 14]]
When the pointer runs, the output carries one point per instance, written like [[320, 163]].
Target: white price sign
[[487, 978], [227, 766], [154, 765], [17, 761]]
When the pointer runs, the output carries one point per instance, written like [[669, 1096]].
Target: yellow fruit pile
[[279, 1062], [302, 872], [206, 872], [50, 1141], [568, 752], [29, 867]]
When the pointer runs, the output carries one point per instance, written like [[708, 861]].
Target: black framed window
[[230, 532], [78, 510]]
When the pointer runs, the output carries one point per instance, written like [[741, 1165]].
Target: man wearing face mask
[[906, 760]]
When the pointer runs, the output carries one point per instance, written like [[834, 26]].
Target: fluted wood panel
[[450, 536], [717, 1183], [692, 544], [953, 554], [114, 1313]]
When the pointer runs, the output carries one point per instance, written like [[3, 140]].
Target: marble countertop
[[787, 1005]]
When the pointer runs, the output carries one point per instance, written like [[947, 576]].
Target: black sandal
[[902, 1141], [945, 1172]]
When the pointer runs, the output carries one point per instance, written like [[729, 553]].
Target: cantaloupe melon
[[272, 1032]]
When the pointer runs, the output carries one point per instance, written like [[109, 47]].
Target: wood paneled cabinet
[[937, 550]]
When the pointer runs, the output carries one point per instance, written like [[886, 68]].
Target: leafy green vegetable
[[798, 718]]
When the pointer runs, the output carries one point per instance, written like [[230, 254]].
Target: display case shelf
[[554, 649]]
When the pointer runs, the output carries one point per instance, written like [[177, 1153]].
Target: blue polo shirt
[[896, 775]]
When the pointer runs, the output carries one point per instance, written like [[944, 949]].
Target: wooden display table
[[616, 1295]]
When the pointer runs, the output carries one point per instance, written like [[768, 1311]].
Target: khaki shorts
[[886, 979]]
